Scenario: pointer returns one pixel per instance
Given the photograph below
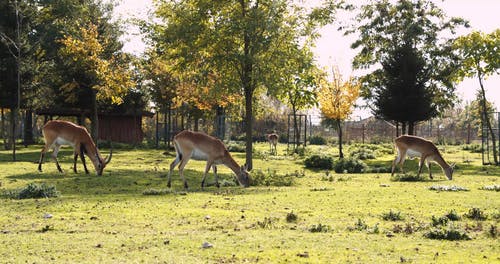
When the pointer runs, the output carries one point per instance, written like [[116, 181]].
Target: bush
[[450, 233], [272, 178], [473, 148], [392, 216], [319, 228], [234, 146], [494, 187], [349, 165], [408, 177], [291, 217], [33, 191], [476, 214], [319, 162], [317, 140], [362, 153]]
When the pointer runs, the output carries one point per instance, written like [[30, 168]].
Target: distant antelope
[[273, 141], [199, 146], [57, 133], [412, 147]]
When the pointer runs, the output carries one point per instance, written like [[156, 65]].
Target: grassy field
[[323, 217]]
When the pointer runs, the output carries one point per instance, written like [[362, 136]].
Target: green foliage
[[494, 187], [476, 214], [268, 223], [362, 153], [291, 217], [317, 161], [492, 231], [452, 215], [272, 178], [319, 228], [402, 36], [33, 191], [408, 177], [234, 146], [439, 221], [473, 148], [449, 233], [349, 165], [317, 140], [392, 216]]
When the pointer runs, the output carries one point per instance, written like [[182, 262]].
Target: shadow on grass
[[131, 182]]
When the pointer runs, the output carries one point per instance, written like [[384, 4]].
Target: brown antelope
[[412, 147], [273, 141], [199, 146], [57, 133]]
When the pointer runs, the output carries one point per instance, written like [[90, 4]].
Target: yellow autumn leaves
[[111, 79], [337, 97]]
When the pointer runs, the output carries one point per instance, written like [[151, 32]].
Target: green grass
[[110, 219]]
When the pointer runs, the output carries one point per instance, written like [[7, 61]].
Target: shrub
[[234, 146], [317, 140], [494, 187], [271, 178], [291, 217], [476, 214], [33, 191], [439, 221], [267, 223], [492, 231], [473, 148], [408, 177], [392, 216], [319, 228], [349, 165], [452, 215], [362, 153], [450, 233], [319, 162]]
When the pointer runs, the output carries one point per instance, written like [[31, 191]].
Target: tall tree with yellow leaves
[[336, 99], [105, 78]]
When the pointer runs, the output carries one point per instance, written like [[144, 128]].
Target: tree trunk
[[339, 131], [95, 117], [4, 132], [28, 128], [248, 127], [411, 128], [295, 130], [487, 117], [13, 132]]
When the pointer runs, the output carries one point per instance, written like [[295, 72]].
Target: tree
[[403, 94], [480, 57], [241, 43], [386, 29], [336, 101], [103, 78], [15, 27], [299, 77]]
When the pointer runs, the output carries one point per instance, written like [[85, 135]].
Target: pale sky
[[334, 49]]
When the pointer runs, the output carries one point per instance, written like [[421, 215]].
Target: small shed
[[115, 126]]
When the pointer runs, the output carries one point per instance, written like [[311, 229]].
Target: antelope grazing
[[412, 147], [198, 146], [57, 133], [273, 141]]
